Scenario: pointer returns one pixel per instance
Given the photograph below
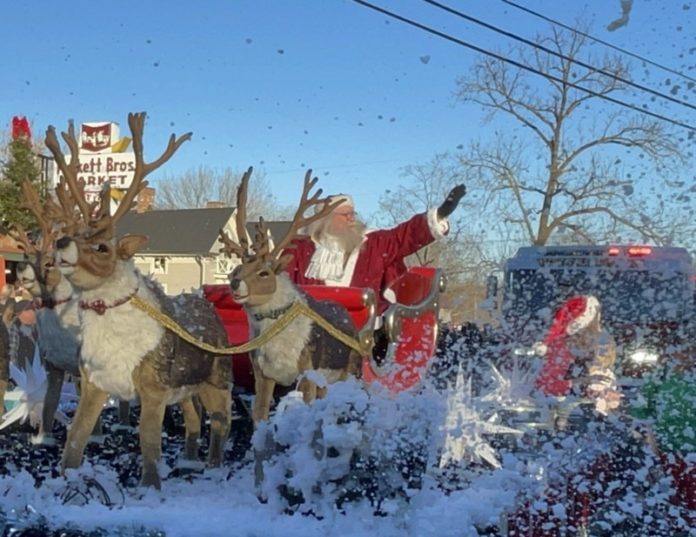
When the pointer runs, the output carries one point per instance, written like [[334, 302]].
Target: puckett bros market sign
[[98, 163]]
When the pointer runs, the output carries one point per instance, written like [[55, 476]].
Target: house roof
[[278, 229], [176, 231], [184, 231]]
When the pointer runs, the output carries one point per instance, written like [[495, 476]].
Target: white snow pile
[[381, 451]]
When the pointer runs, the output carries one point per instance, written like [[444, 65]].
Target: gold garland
[[297, 309]]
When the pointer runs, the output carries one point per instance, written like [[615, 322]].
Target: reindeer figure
[[56, 310], [126, 352], [261, 284]]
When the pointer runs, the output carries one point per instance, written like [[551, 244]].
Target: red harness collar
[[100, 307]]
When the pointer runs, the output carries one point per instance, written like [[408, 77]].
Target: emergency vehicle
[[646, 295]]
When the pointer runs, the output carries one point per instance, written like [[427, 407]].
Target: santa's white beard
[[348, 237], [333, 249]]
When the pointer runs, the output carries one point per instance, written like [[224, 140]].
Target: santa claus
[[579, 355], [340, 251]]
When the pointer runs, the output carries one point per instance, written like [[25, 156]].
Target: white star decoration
[[465, 428], [26, 399], [515, 386]]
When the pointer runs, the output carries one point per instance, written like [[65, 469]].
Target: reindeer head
[[255, 281], [88, 255]]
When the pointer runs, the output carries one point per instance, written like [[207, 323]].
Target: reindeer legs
[[309, 390], [192, 422], [153, 403], [89, 408], [52, 398], [218, 403], [264, 387], [152, 410]]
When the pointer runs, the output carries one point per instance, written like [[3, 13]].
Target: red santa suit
[[574, 315], [376, 263]]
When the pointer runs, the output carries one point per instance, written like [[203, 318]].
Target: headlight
[[524, 351], [642, 356]]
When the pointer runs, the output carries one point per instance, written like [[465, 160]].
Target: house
[[182, 250]]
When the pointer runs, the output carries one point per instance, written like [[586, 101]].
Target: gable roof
[[176, 231], [185, 231]]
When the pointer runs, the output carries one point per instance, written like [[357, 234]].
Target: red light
[[639, 250], [613, 250]]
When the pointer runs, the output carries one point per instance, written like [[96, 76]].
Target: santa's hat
[[577, 313], [344, 199]]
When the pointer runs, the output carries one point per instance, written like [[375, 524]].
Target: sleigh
[[411, 325]]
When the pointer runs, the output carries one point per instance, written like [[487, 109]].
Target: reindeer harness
[[282, 322]]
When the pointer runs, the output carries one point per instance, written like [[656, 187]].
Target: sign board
[[98, 137], [117, 169]]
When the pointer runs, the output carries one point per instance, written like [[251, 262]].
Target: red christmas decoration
[[20, 127]]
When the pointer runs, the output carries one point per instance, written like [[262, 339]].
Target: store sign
[[95, 170], [98, 137]]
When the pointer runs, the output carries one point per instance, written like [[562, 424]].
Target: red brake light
[[613, 250], [639, 250]]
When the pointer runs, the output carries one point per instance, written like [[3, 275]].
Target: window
[[224, 265], [159, 265]]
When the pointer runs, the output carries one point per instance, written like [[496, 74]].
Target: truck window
[[626, 296]]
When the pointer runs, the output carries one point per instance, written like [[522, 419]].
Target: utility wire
[[598, 40], [558, 54], [521, 65]]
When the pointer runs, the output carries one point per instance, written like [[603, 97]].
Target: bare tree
[[196, 187], [568, 173]]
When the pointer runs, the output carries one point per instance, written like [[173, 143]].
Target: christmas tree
[[20, 165]]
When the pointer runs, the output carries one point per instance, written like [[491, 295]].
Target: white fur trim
[[584, 320], [438, 227], [327, 261], [333, 277], [278, 359]]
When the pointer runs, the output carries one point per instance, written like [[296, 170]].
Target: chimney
[[214, 205], [146, 200]]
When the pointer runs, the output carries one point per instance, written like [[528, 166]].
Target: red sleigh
[[411, 324]]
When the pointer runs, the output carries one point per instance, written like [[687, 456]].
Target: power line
[[558, 54], [521, 65], [598, 40]]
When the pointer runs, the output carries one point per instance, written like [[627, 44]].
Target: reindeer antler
[[66, 211], [136, 122], [300, 221], [261, 247], [32, 200], [241, 247], [69, 171], [102, 224], [18, 233]]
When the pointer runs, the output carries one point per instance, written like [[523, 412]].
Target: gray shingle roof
[[277, 229], [184, 231], [177, 231]]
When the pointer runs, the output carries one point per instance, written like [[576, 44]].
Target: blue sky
[[286, 85]]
